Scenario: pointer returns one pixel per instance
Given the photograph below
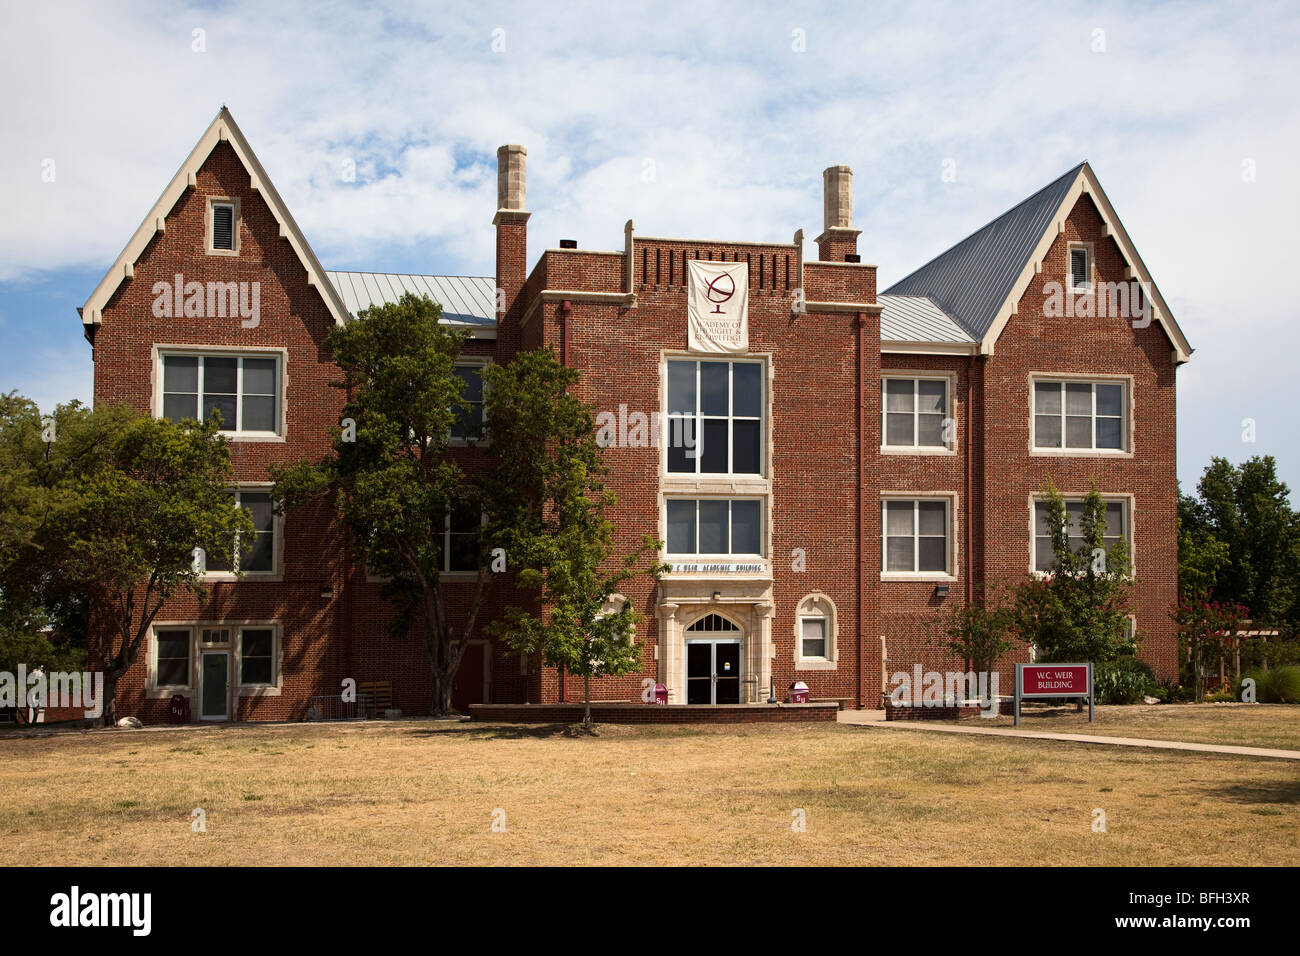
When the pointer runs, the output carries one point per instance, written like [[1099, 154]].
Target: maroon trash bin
[[798, 692], [180, 709]]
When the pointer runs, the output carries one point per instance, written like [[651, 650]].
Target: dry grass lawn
[[1246, 725], [421, 792]]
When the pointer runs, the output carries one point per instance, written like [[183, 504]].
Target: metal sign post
[[1054, 680]]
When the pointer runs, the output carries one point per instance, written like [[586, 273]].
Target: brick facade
[[616, 320]]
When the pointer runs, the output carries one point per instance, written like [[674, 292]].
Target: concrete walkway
[[876, 718]]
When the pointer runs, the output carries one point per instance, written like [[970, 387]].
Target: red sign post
[[1054, 680]]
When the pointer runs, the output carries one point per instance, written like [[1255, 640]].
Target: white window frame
[[949, 501], [734, 556], [1090, 283], [1126, 426], [233, 646], [667, 418], [445, 570], [255, 688], [236, 433], [479, 363], [210, 221], [817, 606], [1128, 503], [949, 414], [277, 540], [153, 659]]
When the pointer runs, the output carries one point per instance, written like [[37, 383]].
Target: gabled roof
[[978, 282], [465, 300], [916, 318], [222, 130], [972, 279]]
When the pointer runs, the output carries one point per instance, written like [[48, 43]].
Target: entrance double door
[[713, 671]]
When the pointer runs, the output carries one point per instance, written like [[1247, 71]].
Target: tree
[[557, 534], [1080, 609], [129, 529], [109, 510], [977, 632], [1206, 631], [391, 476], [1240, 539]]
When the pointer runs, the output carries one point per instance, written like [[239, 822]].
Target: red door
[[470, 685]]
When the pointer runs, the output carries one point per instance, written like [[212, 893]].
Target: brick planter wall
[[963, 712], [655, 713]]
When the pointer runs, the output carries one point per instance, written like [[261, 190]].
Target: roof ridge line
[[1034, 195]]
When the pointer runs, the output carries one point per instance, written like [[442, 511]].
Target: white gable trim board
[[1086, 182], [222, 130]]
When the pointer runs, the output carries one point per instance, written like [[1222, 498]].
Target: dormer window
[[223, 226], [1080, 269]]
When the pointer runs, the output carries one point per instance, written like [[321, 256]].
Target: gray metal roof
[[916, 318], [465, 300], [971, 280]]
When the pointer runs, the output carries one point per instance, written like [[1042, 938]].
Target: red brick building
[[828, 465]]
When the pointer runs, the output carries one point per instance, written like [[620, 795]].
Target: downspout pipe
[[566, 309], [861, 475]]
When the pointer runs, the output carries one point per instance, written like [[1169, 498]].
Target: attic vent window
[[224, 220], [1080, 270]]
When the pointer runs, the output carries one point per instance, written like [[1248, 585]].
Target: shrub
[[1124, 681], [1278, 685], [1269, 654]]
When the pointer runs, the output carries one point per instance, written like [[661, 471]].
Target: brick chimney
[[839, 238], [511, 221]]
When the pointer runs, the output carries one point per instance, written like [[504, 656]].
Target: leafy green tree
[[1239, 539], [128, 528], [1080, 609], [978, 632], [391, 476], [548, 488], [1207, 630], [103, 510]]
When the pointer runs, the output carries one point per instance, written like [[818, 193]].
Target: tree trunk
[[110, 699], [586, 693]]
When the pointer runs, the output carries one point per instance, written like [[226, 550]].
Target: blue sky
[[704, 119]]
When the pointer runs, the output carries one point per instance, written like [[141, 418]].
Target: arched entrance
[[713, 656]]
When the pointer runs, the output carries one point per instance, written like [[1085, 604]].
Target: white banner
[[717, 306]]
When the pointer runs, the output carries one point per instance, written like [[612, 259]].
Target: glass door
[[713, 672]]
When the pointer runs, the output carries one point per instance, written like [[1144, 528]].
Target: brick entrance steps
[[606, 713]]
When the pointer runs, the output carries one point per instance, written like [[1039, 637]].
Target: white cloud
[[737, 124]]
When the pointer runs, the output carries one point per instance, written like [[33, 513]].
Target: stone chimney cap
[[838, 192], [511, 180]]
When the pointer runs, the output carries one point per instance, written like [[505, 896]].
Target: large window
[[461, 540], [257, 555], [916, 536], [714, 526], [1117, 529], [172, 663], [1082, 415], [243, 389], [715, 417], [468, 425], [257, 656], [914, 411]]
